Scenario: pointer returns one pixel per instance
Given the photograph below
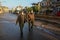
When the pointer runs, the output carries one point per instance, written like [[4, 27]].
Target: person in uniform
[[30, 17], [21, 20]]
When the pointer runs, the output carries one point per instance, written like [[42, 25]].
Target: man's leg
[[29, 25], [21, 29], [32, 24]]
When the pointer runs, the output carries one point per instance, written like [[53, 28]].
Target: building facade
[[50, 7], [6, 9], [46, 7]]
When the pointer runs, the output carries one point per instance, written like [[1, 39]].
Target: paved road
[[10, 31]]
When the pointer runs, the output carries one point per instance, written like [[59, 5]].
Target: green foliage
[[36, 8], [29, 9]]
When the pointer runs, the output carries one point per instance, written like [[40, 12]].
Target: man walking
[[30, 18], [21, 21]]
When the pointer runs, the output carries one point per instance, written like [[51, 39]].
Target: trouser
[[31, 24], [21, 28]]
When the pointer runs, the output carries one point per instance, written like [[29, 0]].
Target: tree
[[29, 9], [36, 7]]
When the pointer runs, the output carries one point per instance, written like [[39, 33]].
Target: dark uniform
[[21, 21]]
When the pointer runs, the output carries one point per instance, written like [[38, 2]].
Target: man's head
[[21, 12], [31, 11]]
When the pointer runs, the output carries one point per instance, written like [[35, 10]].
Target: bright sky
[[14, 3]]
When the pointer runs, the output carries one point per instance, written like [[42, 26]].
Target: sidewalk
[[48, 28]]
